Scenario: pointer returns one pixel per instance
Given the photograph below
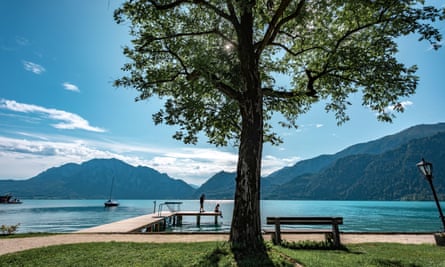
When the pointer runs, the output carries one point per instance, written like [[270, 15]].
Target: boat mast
[[111, 189]]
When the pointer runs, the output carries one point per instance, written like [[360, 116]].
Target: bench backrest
[[305, 220]]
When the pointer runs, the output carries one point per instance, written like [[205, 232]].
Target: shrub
[[9, 229], [309, 244]]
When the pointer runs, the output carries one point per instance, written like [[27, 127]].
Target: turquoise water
[[61, 216]]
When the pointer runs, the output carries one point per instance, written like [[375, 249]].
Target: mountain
[[392, 175], [375, 147], [92, 179], [222, 186], [383, 169], [372, 170], [219, 186]]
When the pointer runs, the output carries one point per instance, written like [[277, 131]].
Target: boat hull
[[111, 203], [7, 199]]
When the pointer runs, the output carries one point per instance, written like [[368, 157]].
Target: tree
[[214, 63]]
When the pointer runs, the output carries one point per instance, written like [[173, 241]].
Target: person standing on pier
[[201, 203]]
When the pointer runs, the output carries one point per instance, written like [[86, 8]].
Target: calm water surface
[[358, 216]]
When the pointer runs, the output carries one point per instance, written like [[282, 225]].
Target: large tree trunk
[[245, 232]]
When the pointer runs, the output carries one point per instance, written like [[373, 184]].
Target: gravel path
[[10, 245]]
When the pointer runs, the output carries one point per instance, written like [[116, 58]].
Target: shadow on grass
[[215, 256], [245, 258], [226, 255]]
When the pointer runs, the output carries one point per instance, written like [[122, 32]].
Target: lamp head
[[426, 168]]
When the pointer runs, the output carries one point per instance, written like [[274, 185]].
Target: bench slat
[[305, 220], [300, 231]]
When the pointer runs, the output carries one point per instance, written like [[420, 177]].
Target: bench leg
[[336, 235], [277, 239]]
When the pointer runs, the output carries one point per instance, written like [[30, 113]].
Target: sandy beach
[[11, 245]]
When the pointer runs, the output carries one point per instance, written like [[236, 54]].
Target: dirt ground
[[10, 245]]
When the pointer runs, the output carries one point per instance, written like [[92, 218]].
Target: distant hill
[[356, 172], [219, 186], [375, 147], [392, 175], [383, 169], [92, 180], [222, 186]]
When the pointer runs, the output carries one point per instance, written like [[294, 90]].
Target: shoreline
[[11, 245]]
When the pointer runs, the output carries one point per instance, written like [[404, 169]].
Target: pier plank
[[128, 225], [135, 224]]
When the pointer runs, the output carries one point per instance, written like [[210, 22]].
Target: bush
[[9, 229], [309, 244]]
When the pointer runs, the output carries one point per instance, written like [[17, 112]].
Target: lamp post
[[426, 168]]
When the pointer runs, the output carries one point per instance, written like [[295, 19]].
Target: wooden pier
[[155, 222], [132, 225], [177, 216]]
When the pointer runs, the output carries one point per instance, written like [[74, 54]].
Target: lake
[[61, 216]]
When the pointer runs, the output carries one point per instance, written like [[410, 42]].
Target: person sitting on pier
[[217, 210]]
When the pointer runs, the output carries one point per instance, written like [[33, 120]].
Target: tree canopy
[[215, 64], [188, 52]]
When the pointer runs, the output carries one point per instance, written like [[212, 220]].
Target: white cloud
[[403, 104], [319, 125], [33, 67], [272, 163], [193, 165], [406, 103], [22, 41], [67, 120], [22, 158], [70, 87]]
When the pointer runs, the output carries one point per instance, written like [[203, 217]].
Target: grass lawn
[[371, 254], [219, 254]]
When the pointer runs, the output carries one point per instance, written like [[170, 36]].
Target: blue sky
[[58, 60]]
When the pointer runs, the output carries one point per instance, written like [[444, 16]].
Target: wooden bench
[[334, 221]]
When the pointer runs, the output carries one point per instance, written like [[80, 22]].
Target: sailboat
[[110, 202]]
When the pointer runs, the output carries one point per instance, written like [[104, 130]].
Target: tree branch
[[167, 6], [215, 9], [199, 2], [225, 89], [272, 29], [275, 24], [381, 19], [232, 11], [184, 67], [149, 38], [284, 94], [288, 50]]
